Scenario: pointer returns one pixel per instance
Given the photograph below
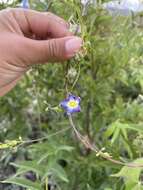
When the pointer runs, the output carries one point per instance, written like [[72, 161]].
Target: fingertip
[[73, 46]]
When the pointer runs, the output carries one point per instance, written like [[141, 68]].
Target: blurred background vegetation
[[110, 84]]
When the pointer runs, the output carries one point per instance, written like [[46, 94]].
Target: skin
[[29, 37]]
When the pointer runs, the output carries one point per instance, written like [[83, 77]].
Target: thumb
[[59, 49]]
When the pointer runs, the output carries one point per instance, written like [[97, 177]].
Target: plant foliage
[[108, 76]]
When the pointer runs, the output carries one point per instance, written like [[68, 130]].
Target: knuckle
[[57, 19], [13, 10], [55, 49]]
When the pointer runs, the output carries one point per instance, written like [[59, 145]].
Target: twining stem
[[86, 142], [77, 78], [85, 139]]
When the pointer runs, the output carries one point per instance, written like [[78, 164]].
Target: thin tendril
[[77, 78], [44, 138]]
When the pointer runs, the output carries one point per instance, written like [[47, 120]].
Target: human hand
[[29, 37]]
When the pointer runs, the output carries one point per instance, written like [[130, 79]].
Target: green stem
[[46, 182]]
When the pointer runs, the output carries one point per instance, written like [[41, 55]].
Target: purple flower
[[71, 104], [25, 4]]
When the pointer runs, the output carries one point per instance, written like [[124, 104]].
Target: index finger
[[43, 25]]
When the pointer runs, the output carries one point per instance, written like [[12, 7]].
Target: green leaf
[[44, 156], [55, 150], [110, 130], [65, 148], [115, 135], [31, 166], [21, 171], [130, 174], [59, 172], [127, 146], [137, 187], [124, 132], [24, 183], [130, 185], [135, 127]]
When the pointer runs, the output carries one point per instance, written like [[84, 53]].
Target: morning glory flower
[[25, 4], [71, 104]]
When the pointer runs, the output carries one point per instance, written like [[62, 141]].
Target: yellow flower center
[[72, 104]]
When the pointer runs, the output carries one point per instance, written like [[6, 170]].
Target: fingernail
[[73, 45]]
